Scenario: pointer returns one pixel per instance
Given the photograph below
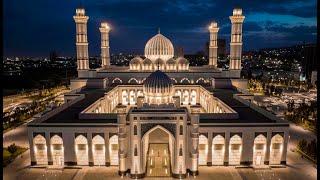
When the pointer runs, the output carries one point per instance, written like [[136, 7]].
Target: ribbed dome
[[171, 61], [147, 61], [157, 88], [136, 60], [159, 47], [182, 60], [157, 80]]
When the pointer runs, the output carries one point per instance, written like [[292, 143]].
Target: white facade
[[149, 123]]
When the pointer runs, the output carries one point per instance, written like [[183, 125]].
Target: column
[[247, 147], [226, 149], [105, 54], [284, 148], [209, 156], [81, 39], [213, 45], [267, 155], [236, 41], [90, 153], [31, 146], [195, 144], [122, 146], [69, 149], [49, 154], [106, 143]]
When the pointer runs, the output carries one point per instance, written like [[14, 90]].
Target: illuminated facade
[[157, 117]]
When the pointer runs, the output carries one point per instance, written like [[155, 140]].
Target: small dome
[[136, 60], [159, 61], [157, 88], [159, 47], [171, 61], [182, 60], [147, 61]]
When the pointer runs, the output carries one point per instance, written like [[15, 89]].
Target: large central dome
[[159, 47], [157, 88]]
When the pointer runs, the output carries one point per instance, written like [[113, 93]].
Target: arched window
[[181, 130], [180, 151], [135, 130]]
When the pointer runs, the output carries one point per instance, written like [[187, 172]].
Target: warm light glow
[[213, 25], [237, 12], [105, 25]]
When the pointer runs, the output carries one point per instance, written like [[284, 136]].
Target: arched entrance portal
[[158, 150], [259, 150], [82, 150], [203, 150], [40, 149], [57, 150], [276, 149], [98, 147]]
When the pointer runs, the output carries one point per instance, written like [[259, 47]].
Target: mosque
[[159, 117]]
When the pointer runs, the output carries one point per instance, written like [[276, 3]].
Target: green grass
[[8, 157]]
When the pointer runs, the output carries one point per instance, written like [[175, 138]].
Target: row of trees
[[21, 114], [309, 148], [301, 114], [305, 115]]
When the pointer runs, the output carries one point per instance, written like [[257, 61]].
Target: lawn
[[9, 157]]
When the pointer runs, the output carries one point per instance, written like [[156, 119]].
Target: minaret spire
[[158, 30]]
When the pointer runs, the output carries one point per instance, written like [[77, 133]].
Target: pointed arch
[[98, 148], [57, 150], [218, 150], [259, 150], [40, 150], [114, 150], [82, 155], [276, 149], [235, 150]]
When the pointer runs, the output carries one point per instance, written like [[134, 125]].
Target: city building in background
[[309, 60], [158, 116]]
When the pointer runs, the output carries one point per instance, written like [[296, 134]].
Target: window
[[134, 118], [181, 130], [180, 150], [135, 151], [135, 130]]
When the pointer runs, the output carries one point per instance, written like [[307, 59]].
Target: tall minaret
[[82, 43], [213, 45], [236, 39], [105, 54]]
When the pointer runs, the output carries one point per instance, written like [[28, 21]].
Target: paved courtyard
[[110, 173]]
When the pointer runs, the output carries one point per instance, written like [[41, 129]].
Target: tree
[[302, 144], [12, 148]]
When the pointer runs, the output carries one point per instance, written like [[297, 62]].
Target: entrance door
[[158, 160]]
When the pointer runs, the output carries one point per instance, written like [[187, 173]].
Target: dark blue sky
[[35, 27]]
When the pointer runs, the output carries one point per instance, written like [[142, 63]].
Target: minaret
[[81, 39], [213, 45], [105, 54], [236, 40]]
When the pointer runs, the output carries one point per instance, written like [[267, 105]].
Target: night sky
[[36, 27]]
